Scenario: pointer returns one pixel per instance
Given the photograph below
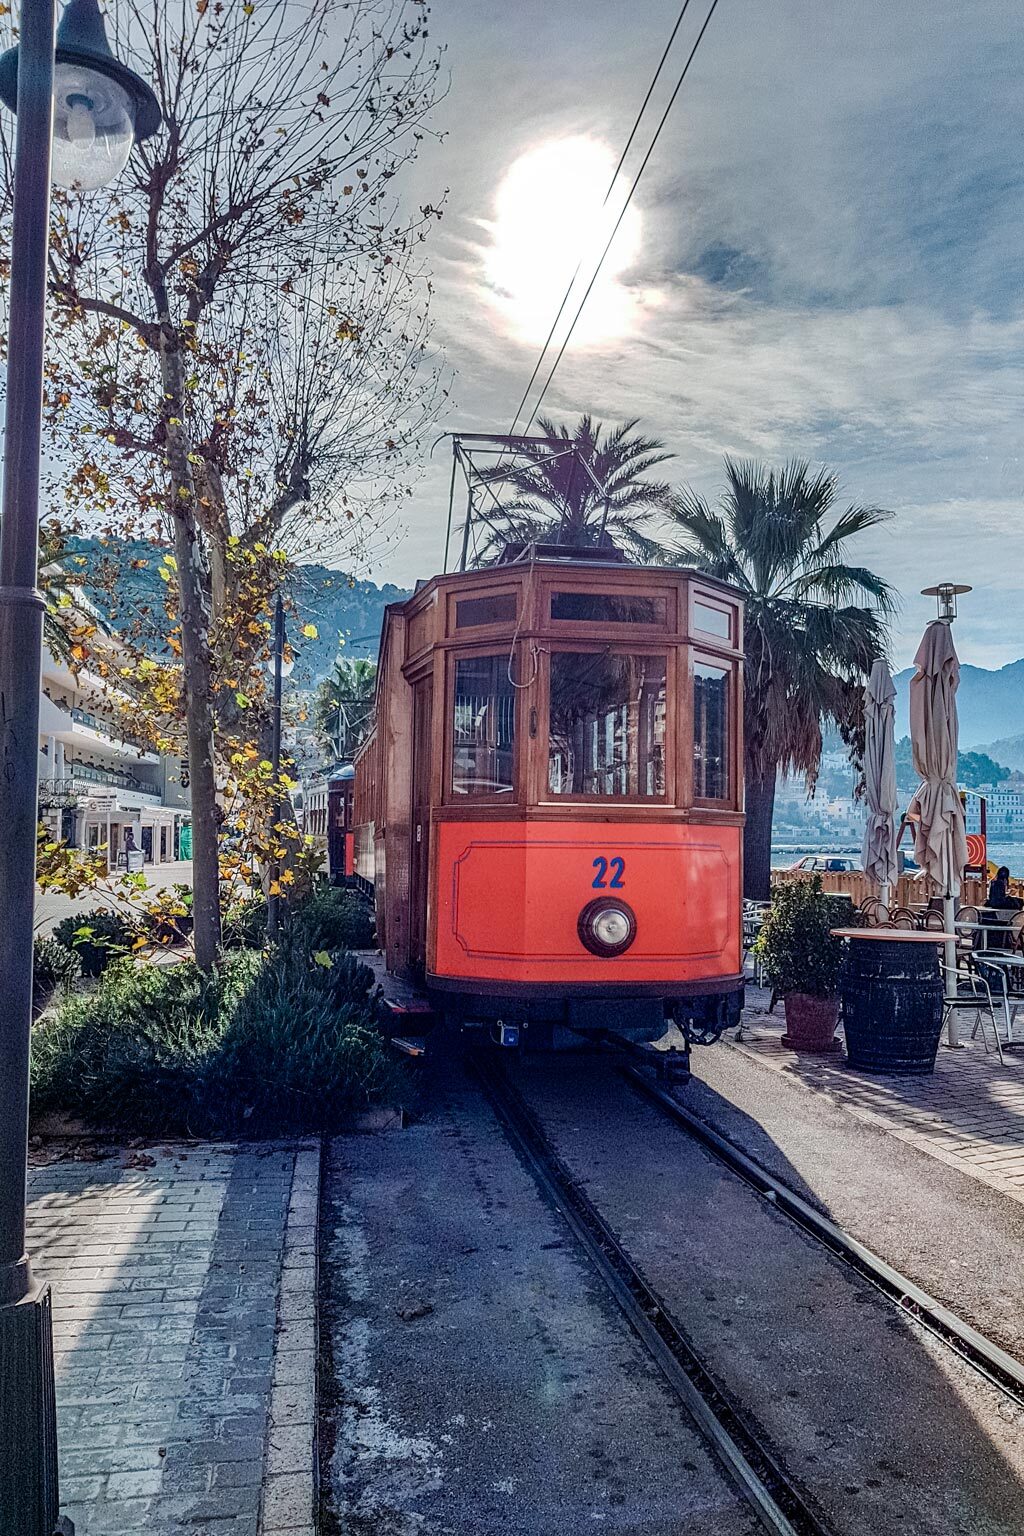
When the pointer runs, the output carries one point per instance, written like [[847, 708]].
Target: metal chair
[[902, 917], [972, 992], [873, 913], [933, 922]]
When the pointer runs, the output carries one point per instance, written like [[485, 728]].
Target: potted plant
[[802, 961], [168, 917]]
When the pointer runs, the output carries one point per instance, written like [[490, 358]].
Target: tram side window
[[710, 732], [484, 727], [607, 727]]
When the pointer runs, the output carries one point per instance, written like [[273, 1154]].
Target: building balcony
[[85, 777], [85, 724]]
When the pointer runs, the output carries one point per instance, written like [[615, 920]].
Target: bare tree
[[239, 343]]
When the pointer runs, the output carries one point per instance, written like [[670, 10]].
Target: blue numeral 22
[[618, 869]]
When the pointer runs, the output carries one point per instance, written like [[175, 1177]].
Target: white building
[[93, 784], [1005, 812]]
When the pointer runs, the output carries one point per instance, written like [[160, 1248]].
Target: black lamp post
[[90, 108]]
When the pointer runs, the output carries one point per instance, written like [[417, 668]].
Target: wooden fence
[[908, 892]]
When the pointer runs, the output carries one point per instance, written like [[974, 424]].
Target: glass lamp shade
[[93, 127], [286, 667]]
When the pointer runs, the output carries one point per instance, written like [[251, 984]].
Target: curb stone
[[290, 1500]]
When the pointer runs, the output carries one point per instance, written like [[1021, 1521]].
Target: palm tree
[[813, 625], [556, 500], [343, 709]]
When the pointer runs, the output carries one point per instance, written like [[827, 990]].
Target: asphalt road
[[958, 1238], [477, 1380], [885, 1428]]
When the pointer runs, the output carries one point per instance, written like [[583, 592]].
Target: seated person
[[999, 892]]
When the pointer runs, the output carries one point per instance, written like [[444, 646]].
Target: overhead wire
[[604, 203], [618, 221]]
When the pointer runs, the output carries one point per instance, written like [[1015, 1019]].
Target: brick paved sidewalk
[[184, 1285], [968, 1113]]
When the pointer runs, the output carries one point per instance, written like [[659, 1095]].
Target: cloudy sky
[[823, 259]]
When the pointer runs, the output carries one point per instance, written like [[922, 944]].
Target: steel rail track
[[781, 1506], [999, 1368]]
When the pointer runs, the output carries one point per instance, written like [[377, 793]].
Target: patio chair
[[933, 922], [972, 992], [902, 917], [873, 913]]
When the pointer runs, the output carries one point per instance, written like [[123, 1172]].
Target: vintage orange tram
[[548, 810]]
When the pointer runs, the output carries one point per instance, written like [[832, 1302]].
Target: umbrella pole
[[885, 895], [948, 919]]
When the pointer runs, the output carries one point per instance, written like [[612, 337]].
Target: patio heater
[[945, 595]]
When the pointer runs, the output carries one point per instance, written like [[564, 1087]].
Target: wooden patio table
[[894, 935]]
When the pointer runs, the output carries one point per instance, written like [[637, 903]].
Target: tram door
[[422, 719]]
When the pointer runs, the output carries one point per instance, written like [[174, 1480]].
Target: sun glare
[[549, 214]]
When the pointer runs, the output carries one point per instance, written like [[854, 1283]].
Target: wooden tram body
[[548, 811]]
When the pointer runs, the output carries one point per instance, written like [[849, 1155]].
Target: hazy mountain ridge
[[347, 612], [990, 705], [1009, 751]]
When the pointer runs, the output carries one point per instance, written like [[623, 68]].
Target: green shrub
[[271, 1044], [303, 1048], [53, 966], [245, 924], [333, 919], [96, 937], [795, 942], [131, 1053]]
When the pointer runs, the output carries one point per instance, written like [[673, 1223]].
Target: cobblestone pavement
[[968, 1113], [184, 1288]]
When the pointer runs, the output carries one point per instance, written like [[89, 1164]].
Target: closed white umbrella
[[937, 815], [878, 857]]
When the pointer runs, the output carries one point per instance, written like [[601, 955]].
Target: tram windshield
[[483, 748], [607, 724]]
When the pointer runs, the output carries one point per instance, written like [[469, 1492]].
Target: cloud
[[830, 265]]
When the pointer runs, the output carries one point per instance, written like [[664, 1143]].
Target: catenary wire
[[611, 187], [622, 214]]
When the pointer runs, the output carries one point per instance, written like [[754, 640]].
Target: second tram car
[[548, 810], [327, 818]]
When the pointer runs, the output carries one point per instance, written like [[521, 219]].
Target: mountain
[[990, 705], [1009, 751], [348, 613]]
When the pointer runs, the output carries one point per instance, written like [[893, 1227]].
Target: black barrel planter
[[892, 1006]]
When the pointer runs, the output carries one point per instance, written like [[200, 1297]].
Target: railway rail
[[998, 1367], [779, 1503]]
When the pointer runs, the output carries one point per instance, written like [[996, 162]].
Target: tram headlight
[[607, 927]]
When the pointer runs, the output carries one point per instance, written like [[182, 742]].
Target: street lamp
[[278, 668], [945, 595], [100, 110]]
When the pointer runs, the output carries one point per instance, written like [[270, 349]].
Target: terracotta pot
[[811, 1022]]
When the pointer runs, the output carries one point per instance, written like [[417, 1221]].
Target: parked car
[[828, 863]]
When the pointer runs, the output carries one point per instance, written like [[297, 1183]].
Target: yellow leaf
[[170, 560], [323, 958], [310, 631]]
